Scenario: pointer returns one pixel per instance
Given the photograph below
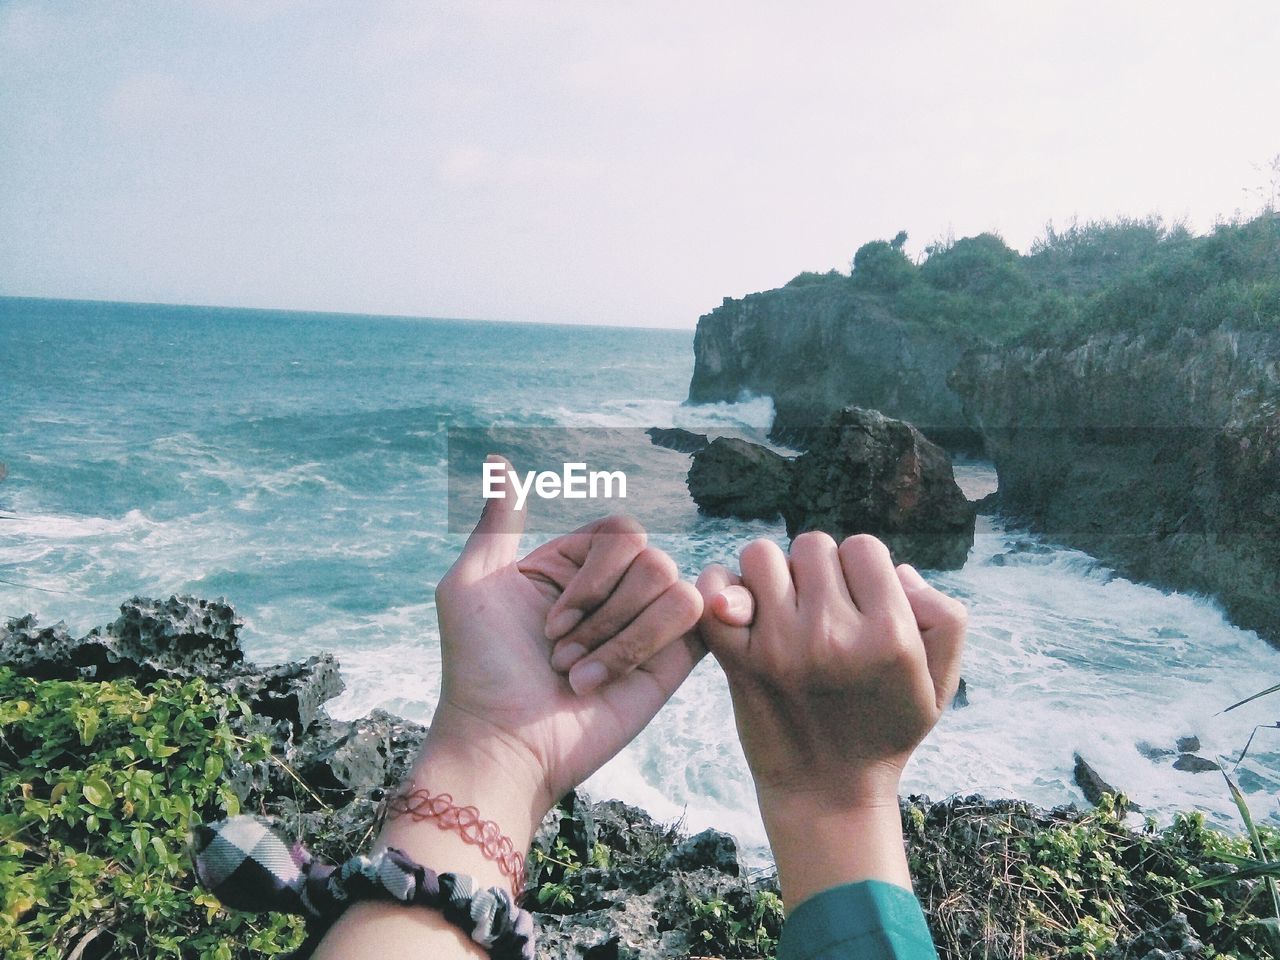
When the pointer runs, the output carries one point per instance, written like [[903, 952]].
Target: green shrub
[[811, 279], [100, 784], [1001, 879], [983, 266], [737, 927], [882, 266]]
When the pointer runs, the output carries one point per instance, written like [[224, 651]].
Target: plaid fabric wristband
[[248, 864]]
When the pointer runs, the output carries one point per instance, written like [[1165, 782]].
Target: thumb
[[942, 621], [727, 611], [495, 541]]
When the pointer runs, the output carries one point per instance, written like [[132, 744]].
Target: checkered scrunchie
[[247, 864]]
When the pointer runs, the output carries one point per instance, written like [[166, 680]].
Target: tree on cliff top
[[882, 265]]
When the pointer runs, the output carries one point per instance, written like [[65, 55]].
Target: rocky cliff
[[1123, 377], [1158, 452], [820, 347]]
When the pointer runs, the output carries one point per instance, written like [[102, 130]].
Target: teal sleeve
[[871, 920]]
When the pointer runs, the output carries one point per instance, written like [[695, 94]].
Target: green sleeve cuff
[[871, 920]]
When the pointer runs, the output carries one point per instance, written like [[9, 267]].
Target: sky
[[595, 162]]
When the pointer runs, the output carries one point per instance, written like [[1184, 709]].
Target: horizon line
[[344, 313]]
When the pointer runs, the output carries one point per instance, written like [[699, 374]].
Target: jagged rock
[[180, 637], [733, 478], [961, 699], [1188, 744], [45, 653], [1092, 785], [1175, 940], [1190, 763], [867, 473], [358, 757], [294, 691], [1152, 752], [677, 438], [710, 848], [863, 473], [988, 504]]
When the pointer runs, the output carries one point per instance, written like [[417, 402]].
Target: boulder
[[1190, 763], [867, 473], [708, 849], [733, 478], [1093, 786], [677, 438], [1152, 752], [961, 699], [863, 473]]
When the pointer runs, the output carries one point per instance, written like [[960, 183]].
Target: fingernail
[[558, 624], [566, 655], [911, 577], [585, 677], [734, 606]]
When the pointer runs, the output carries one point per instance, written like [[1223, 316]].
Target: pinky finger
[[725, 617], [734, 606], [941, 620]]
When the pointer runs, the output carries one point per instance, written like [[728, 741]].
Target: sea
[[298, 465]]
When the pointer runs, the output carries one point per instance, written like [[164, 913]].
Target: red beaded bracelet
[[420, 804]]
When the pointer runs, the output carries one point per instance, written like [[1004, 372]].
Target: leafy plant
[[745, 930], [100, 784], [554, 892]]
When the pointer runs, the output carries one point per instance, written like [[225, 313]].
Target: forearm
[[817, 847], [374, 931]]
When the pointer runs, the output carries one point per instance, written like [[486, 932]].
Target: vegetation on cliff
[[100, 783], [1125, 274], [101, 780]]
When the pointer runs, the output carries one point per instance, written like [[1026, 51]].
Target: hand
[[838, 666], [501, 697], [510, 736]]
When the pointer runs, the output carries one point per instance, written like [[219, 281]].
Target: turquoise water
[[296, 464]]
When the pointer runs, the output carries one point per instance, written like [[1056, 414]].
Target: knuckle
[[656, 563], [864, 544], [758, 550], [628, 650], [813, 541], [686, 603], [621, 525], [713, 575], [891, 641], [897, 650]]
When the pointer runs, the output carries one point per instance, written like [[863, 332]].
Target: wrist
[[822, 839], [479, 776]]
